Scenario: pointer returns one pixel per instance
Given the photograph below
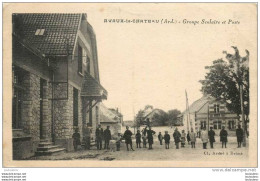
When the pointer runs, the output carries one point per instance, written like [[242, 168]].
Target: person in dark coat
[[76, 139], [177, 136], [99, 137], [138, 139], [211, 137], [223, 136], [150, 134], [166, 138], [239, 134], [160, 138], [128, 138], [188, 137], [107, 137]]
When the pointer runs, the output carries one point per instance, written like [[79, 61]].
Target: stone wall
[[31, 106], [31, 116], [63, 119]]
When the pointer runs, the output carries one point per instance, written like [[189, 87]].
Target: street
[[159, 153]]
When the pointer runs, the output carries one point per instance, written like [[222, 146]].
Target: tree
[[160, 118], [224, 79], [172, 117], [139, 118]]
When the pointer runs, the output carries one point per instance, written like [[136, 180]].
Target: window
[[39, 32], [88, 65], [216, 108], [17, 98], [80, 59], [75, 107], [90, 113], [84, 56], [42, 91], [217, 124], [203, 124], [231, 124]]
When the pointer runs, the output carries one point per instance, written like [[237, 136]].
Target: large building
[[206, 112], [56, 83]]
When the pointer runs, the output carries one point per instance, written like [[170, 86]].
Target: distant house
[[129, 123], [56, 83], [149, 117], [112, 118], [206, 112]]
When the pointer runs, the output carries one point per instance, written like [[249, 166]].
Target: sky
[[141, 64]]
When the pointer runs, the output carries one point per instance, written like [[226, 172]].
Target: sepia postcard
[[130, 85]]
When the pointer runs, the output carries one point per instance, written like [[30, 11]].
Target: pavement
[[160, 153]]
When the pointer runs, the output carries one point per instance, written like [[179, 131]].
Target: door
[[41, 108]]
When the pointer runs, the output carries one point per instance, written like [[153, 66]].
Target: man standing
[[177, 136], [211, 137], [204, 138], [76, 139], [107, 137], [150, 134], [240, 134], [128, 138], [99, 137], [223, 136]]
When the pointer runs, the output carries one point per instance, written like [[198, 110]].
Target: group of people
[[209, 136], [146, 136]]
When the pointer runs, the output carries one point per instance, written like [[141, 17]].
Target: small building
[[207, 112], [111, 118], [56, 83], [128, 123]]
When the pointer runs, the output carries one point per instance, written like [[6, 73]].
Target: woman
[[177, 136], [192, 138]]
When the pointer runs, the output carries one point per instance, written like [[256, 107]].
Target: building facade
[[56, 84], [206, 112], [112, 118]]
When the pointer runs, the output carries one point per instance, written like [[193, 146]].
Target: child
[[167, 139], [138, 139], [118, 141], [160, 138], [144, 140], [183, 138], [76, 139], [112, 145]]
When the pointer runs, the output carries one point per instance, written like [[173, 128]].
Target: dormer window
[[39, 32]]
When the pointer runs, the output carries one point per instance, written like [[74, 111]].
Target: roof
[[92, 89], [107, 116], [128, 123], [59, 31], [198, 104]]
